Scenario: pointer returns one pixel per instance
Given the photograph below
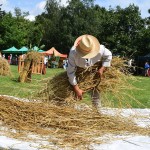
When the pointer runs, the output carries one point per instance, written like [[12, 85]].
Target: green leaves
[[122, 30]]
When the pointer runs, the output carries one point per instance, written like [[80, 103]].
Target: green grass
[[138, 97], [143, 94], [10, 86]]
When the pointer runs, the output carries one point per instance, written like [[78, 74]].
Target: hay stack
[[66, 126], [31, 57], [4, 67], [115, 81]]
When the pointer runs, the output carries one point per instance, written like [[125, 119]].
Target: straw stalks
[[66, 126], [113, 85], [31, 57], [4, 67]]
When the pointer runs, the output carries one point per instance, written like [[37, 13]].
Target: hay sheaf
[[31, 60], [4, 67], [65, 125], [114, 81], [33, 56]]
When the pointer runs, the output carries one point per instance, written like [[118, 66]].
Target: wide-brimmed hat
[[87, 46]]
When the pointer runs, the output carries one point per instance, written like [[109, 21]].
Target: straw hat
[[87, 46]]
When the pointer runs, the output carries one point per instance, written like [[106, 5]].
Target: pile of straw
[[4, 67], [65, 125], [114, 83], [31, 58]]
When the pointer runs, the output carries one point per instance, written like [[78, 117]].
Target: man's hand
[[101, 70], [78, 91]]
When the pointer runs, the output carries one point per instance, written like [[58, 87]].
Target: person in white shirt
[[85, 53], [65, 64]]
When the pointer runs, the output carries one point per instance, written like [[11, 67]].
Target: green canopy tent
[[23, 50], [35, 48], [11, 50], [41, 51]]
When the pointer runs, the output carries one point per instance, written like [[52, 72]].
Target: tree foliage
[[122, 30], [16, 30]]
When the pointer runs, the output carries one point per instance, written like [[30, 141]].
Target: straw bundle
[[31, 57], [4, 67], [115, 82], [65, 125]]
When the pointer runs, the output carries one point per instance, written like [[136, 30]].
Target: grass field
[[10, 86], [138, 97], [143, 94]]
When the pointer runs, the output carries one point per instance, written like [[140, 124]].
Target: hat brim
[[94, 51]]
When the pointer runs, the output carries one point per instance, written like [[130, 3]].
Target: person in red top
[[9, 58]]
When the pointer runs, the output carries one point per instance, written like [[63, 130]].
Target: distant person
[[130, 62], [45, 65], [3, 55], [46, 61], [146, 67], [16, 59], [65, 64], [9, 59]]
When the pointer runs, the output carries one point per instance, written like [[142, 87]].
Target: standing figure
[[65, 64], [16, 59], [86, 52], [3, 56], [146, 67], [9, 59]]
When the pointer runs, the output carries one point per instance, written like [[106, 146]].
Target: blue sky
[[35, 7]]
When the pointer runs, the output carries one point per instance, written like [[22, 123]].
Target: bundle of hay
[[31, 57], [4, 67], [65, 125], [114, 83]]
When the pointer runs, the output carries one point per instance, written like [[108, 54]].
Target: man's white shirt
[[74, 60]]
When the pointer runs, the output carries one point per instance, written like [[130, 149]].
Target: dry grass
[[66, 125], [115, 81], [33, 56], [4, 67]]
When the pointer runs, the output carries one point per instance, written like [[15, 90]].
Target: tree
[[123, 31], [16, 30], [63, 25], [127, 31], [2, 13]]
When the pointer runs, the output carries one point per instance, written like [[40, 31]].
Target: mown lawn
[[143, 92], [10, 86]]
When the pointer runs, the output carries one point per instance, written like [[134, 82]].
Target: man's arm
[[106, 60], [71, 69]]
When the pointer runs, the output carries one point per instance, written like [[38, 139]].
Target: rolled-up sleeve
[[106, 57], [71, 69]]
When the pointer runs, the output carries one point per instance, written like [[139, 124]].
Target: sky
[[36, 7]]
